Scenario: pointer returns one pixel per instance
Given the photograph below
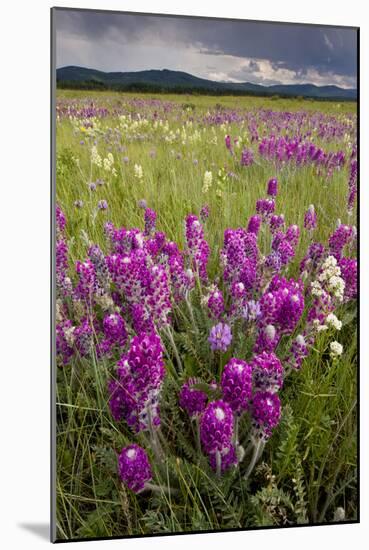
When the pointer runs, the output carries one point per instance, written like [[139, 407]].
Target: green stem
[[198, 438], [258, 450], [236, 422], [159, 489], [176, 353], [218, 458], [191, 314], [155, 443]]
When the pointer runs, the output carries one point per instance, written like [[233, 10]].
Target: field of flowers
[[206, 283]]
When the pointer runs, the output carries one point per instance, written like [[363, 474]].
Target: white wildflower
[[316, 289], [208, 180], [95, 157], [336, 349], [333, 322], [138, 171]]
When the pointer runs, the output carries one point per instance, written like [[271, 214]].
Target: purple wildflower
[[102, 205], [267, 372], [273, 187], [298, 352], [191, 399], [134, 467], [141, 320], [97, 258], [204, 213], [142, 204], [266, 413], [60, 220], [134, 396], [228, 142], [239, 254], [216, 427], [282, 304], [310, 219], [83, 338], [220, 337], [293, 235], [253, 225], [115, 332], [87, 280], [216, 304], [348, 268], [352, 186], [267, 339], [276, 222], [265, 208], [342, 236], [237, 384], [313, 258], [197, 246], [150, 221], [64, 341], [247, 157]]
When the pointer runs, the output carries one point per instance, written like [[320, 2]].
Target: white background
[[24, 257]]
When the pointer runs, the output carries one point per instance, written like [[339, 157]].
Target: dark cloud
[[297, 48], [253, 66]]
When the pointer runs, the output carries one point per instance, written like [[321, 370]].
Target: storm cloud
[[238, 51]]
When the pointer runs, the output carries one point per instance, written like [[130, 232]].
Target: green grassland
[[308, 468]]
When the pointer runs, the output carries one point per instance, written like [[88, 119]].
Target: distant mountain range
[[166, 80]]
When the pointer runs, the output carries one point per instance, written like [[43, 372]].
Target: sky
[[236, 51]]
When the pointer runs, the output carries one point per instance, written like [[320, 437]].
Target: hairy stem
[[168, 332], [198, 438], [258, 450], [218, 458], [159, 488]]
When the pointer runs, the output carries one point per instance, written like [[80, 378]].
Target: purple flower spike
[[134, 467], [135, 394], [276, 222], [265, 208], [247, 157], [192, 400], [273, 187], [60, 220], [266, 413], [142, 204], [115, 332], [237, 384], [204, 213], [267, 372], [348, 268], [228, 142], [254, 224], [216, 304], [150, 221], [298, 352], [102, 205], [342, 236], [267, 339], [197, 246], [216, 427], [310, 219], [220, 337]]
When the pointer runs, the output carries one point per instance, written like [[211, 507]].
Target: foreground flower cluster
[[126, 304]]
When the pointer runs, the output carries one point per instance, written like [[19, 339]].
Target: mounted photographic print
[[204, 296]]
